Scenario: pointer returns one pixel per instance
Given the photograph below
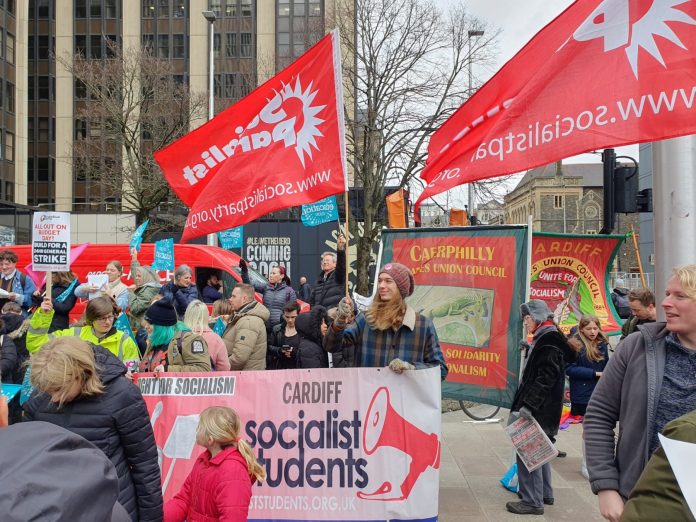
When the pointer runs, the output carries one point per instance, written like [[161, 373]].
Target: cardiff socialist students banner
[[337, 444], [470, 282], [281, 146], [571, 273], [603, 73]]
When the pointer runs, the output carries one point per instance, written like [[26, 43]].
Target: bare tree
[[407, 65], [134, 104]]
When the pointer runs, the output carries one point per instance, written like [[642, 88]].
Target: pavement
[[476, 455]]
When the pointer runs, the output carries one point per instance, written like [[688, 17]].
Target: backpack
[[621, 304]]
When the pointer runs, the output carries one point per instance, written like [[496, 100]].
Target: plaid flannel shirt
[[414, 342]]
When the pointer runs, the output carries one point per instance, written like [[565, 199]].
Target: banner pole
[[49, 283], [347, 236], [640, 264]]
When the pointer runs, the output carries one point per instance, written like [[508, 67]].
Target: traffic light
[[644, 200], [626, 190]]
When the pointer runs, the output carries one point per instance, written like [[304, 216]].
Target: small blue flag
[[123, 324], [10, 390], [164, 255], [319, 212], [219, 326], [137, 238], [232, 238]]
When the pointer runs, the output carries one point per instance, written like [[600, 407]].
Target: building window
[[179, 10], [43, 169], [216, 44], [80, 129], [217, 85], [42, 9], [163, 45], [558, 202], [246, 7], [43, 129], [110, 9], [216, 7], [44, 48], [95, 46], [148, 8], [43, 88], [149, 43], [283, 45], [95, 8], [163, 9], [80, 8], [30, 129], [2, 44], [179, 46], [10, 96], [9, 146], [10, 53], [31, 92], [245, 47], [298, 8], [314, 8], [231, 47], [283, 7], [231, 8], [81, 45]]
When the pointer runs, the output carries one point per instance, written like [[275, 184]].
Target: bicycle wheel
[[479, 411]]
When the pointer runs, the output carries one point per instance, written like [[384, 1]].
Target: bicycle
[[479, 411]]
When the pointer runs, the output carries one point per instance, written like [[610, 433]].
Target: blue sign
[[220, 326], [164, 255], [320, 212], [137, 238], [10, 390], [232, 238], [123, 324]]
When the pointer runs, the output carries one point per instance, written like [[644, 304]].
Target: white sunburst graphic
[[306, 136], [654, 23]]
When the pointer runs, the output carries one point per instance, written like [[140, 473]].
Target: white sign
[[50, 242], [681, 457]]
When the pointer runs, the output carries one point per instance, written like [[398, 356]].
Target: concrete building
[[568, 199], [39, 99]]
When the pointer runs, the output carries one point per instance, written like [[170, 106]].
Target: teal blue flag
[[164, 255], [123, 324], [319, 212], [10, 390], [137, 238], [219, 326], [232, 238]]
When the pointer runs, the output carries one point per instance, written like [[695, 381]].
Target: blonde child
[[219, 485]]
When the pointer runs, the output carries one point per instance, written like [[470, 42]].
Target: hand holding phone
[[287, 350]]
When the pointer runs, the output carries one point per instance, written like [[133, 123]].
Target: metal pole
[[210, 17], [674, 216], [470, 190]]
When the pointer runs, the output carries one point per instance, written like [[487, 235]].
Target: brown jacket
[[245, 338]]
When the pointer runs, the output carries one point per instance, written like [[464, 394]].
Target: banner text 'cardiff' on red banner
[[604, 73], [281, 146]]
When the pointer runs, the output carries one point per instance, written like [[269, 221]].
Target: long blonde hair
[[223, 425], [383, 315], [197, 316], [591, 347], [60, 363]]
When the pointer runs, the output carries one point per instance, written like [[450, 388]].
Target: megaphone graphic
[[383, 426]]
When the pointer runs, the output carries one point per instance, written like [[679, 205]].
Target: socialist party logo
[[288, 118], [611, 22]]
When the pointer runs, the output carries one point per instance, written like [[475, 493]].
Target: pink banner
[[349, 444]]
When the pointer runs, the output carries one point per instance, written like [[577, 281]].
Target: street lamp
[[471, 185], [210, 17]]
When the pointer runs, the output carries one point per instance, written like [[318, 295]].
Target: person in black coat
[[63, 299], [540, 396], [311, 327], [181, 292], [8, 358], [284, 340], [331, 285], [82, 388]]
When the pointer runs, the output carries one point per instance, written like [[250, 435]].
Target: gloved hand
[[524, 345], [344, 311], [398, 366], [526, 413], [243, 265]]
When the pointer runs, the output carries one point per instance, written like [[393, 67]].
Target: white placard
[[681, 456], [50, 242], [98, 281]]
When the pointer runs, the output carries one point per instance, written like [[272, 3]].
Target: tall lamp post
[[210, 17], [471, 185]]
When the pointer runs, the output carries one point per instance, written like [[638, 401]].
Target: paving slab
[[476, 455]]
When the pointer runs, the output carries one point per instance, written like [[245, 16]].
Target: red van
[[202, 259]]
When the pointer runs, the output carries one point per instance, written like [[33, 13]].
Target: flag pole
[[347, 235], [640, 263]]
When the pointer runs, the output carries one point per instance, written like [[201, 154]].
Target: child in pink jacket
[[219, 485]]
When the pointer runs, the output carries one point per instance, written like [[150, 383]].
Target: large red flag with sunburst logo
[[281, 146], [604, 73]]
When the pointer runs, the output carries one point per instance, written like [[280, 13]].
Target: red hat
[[402, 276]]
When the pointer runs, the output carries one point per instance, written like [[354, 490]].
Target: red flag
[[604, 73], [282, 145]]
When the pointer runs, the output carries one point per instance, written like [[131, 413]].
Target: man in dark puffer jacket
[[331, 285], [107, 410]]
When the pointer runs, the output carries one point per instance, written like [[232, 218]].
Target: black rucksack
[[621, 304]]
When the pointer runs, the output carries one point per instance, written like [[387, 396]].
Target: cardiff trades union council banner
[[571, 273], [470, 282], [352, 444]]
